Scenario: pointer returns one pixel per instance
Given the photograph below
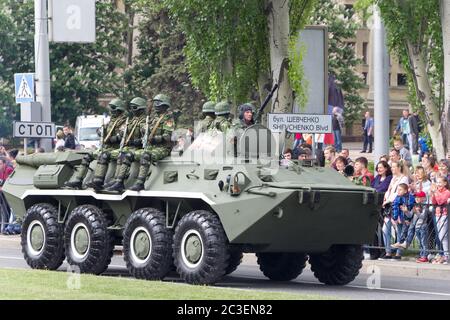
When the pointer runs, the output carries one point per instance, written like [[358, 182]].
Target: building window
[[365, 52], [402, 80], [366, 78]]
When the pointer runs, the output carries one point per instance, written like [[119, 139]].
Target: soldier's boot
[[76, 181], [143, 172], [124, 171], [100, 171], [116, 173]]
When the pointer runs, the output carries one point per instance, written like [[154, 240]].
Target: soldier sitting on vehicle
[[222, 111], [131, 141], [209, 117], [158, 144], [108, 151]]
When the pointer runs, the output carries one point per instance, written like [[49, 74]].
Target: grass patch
[[53, 285]]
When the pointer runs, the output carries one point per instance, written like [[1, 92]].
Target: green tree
[[342, 60], [80, 73], [159, 64], [234, 48], [415, 35]]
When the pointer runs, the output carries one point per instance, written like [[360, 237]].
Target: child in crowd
[[440, 198], [402, 205], [287, 157], [421, 225]]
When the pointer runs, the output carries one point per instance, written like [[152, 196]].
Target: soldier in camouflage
[[158, 140], [209, 117], [109, 145], [132, 142], [222, 112]]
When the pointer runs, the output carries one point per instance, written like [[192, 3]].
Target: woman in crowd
[[399, 176], [59, 140], [384, 177]]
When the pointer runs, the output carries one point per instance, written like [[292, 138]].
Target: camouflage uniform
[[159, 139], [207, 123], [108, 151], [222, 112], [132, 143]]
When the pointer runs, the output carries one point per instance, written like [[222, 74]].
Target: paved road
[[248, 276]]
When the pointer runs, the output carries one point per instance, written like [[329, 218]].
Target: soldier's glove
[[137, 142], [114, 139], [156, 140]]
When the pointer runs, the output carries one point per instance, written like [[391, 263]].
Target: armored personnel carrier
[[199, 213]]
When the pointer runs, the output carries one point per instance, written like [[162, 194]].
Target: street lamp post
[[381, 87], [42, 65]]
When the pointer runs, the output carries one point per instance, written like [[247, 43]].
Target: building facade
[[398, 87]]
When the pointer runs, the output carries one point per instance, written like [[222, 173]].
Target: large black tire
[[42, 237], [89, 222], [147, 244], [200, 248], [281, 266], [339, 265], [234, 261]]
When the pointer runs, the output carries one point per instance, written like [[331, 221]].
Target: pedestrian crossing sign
[[24, 85]]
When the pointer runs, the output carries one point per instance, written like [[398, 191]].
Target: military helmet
[[223, 107], [116, 104], [161, 100], [208, 107], [138, 104]]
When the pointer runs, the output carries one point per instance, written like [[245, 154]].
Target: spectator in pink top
[[5, 171]]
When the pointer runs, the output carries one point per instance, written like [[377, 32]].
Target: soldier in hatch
[[110, 143], [246, 113]]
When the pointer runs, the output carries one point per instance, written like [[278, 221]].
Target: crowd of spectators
[[415, 199]]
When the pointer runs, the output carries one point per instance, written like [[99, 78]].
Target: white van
[[86, 130]]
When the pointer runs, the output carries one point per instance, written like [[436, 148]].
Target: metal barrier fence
[[428, 237]]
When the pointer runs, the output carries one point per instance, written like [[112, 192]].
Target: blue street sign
[[24, 84]]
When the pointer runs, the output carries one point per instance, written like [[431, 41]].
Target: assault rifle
[[145, 137], [265, 103]]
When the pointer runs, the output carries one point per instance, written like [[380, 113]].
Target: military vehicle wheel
[[88, 242], [42, 237], [147, 244], [281, 266], [234, 261], [339, 265], [200, 248]]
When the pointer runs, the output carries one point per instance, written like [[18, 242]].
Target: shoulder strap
[[156, 127]]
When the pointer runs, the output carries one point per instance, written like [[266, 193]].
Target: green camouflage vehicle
[[199, 212]]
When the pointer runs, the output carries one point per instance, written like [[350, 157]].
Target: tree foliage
[[227, 46], [342, 59], [80, 73], [414, 28], [160, 64]]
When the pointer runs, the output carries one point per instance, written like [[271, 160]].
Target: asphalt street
[[380, 285]]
